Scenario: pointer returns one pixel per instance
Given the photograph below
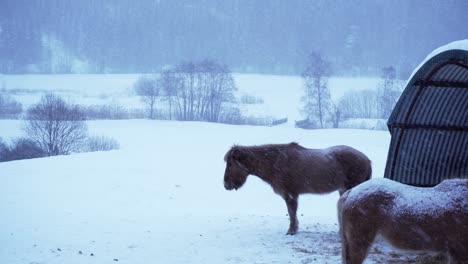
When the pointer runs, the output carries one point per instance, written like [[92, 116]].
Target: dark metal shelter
[[429, 124]]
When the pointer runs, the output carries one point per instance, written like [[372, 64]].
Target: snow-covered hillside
[[160, 199]]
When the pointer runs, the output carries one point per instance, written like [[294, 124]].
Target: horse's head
[[236, 172]]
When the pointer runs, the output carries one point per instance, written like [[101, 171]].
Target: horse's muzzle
[[229, 186]]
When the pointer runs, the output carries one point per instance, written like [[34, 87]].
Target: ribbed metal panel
[[441, 106], [426, 157], [451, 73], [391, 157], [398, 113], [429, 124]]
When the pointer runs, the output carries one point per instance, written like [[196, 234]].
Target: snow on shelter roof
[[429, 124], [456, 45]]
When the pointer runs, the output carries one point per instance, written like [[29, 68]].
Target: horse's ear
[[236, 154], [239, 154], [229, 154]]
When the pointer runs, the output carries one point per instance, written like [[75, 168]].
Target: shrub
[[25, 148], [250, 99], [111, 112], [101, 143], [306, 124], [9, 107], [21, 148], [3, 150]]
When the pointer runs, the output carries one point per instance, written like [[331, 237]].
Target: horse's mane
[[248, 150]]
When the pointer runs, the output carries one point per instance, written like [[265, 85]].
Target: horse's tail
[[345, 258]]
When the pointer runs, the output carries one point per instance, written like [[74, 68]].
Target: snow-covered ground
[[160, 199]]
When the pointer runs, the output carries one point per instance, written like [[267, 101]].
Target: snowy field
[[160, 197]]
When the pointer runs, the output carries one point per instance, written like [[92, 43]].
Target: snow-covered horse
[[411, 218], [291, 170]]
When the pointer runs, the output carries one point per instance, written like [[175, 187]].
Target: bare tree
[[316, 100], [57, 127], [335, 115], [167, 86], [217, 89], [198, 91], [149, 90], [172, 86], [389, 91]]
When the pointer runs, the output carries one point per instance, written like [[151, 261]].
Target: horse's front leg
[[291, 203]]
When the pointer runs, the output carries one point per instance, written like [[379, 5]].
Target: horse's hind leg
[[291, 203], [357, 235], [357, 244]]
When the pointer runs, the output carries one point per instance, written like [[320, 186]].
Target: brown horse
[[291, 170], [412, 218]]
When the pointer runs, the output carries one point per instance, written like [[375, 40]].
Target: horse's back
[[431, 218], [449, 195], [306, 170], [410, 217], [356, 167], [335, 168], [373, 194]]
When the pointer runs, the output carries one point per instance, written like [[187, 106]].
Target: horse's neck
[[261, 163]]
